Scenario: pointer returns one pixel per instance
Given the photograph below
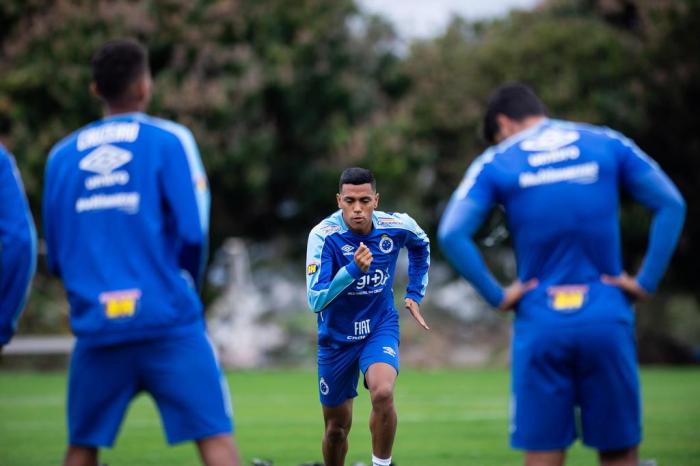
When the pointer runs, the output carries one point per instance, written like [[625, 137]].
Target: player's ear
[[337, 198], [376, 200], [505, 127], [93, 90], [143, 88]]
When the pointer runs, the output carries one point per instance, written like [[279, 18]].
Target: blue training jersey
[[559, 184], [126, 215], [351, 303], [17, 246]]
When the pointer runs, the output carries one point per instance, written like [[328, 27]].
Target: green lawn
[[445, 418]]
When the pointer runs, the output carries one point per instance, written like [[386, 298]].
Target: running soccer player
[[574, 340], [126, 214], [351, 259], [17, 247]]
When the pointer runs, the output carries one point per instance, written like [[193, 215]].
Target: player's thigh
[[609, 393], [338, 374], [189, 388], [381, 347], [101, 383], [543, 391]]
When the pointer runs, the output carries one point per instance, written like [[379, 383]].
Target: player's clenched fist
[[363, 257]]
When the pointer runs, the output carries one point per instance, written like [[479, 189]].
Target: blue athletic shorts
[[564, 377], [181, 374], [339, 368]]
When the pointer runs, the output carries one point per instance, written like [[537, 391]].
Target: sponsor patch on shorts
[[568, 298], [120, 304]]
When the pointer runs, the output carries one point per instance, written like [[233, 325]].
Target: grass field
[[452, 418]]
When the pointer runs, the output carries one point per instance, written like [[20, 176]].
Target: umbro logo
[[347, 250], [390, 351], [105, 159]]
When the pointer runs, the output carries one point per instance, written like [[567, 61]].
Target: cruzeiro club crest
[[323, 386], [386, 244]]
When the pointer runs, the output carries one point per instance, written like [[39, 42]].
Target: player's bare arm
[[628, 284], [515, 292], [414, 308]]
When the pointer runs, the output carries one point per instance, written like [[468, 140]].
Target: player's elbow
[[315, 302], [448, 237], [678, 206]]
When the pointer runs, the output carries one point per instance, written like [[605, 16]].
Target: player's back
[[559, 183], [123, 198]]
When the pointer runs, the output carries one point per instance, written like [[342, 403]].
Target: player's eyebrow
[[349, 198]]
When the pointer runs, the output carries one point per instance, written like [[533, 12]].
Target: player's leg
[[609, 392], [184, 378], [379, 362], [101, 383], [381, 378], [80, 456], [338, 374], [542, 408], [338, 420], [218, 450], [545, 458], [625, 457]]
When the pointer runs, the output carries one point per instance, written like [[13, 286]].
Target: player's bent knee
[[336, 433], [382, 396]]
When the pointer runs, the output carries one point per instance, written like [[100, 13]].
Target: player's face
[[358, 201]]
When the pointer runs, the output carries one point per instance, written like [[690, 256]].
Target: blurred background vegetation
[[282, 95]]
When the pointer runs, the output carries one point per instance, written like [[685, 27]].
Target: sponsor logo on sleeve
[[390, 351], [329, 229], [311, 268]]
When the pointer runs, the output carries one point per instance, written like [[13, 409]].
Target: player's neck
[[126, 107]]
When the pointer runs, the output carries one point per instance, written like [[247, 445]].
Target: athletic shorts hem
[[614, 447], [335, 405], [199, 436], [91, 443], [541, 447]]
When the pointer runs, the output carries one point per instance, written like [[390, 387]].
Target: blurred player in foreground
[[126, 217], [17, 247], [351, 259], [574, 335]]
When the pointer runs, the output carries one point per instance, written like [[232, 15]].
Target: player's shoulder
[[66, 144], [329, 226], [579, 130], [166, 130], [5, 155], [394, 220]]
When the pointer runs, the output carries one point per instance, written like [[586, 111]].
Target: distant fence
[[40, 345]]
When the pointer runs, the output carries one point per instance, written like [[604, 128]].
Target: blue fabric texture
[[126, 217], [559, 184], [17, 246], [349, 303]]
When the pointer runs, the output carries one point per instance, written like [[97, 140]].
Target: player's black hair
[[356, 175], [117, 65], [514, 100]]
